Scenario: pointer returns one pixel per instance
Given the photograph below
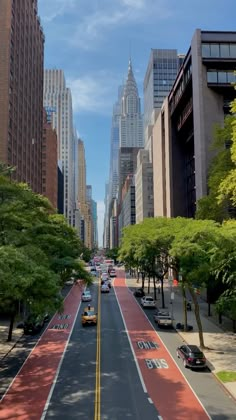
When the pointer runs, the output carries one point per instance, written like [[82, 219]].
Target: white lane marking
[[150, 400], [131, 346], [59, 368], [37, 342], [174, 362]]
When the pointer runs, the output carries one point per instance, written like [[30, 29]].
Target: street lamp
[[172, 296]]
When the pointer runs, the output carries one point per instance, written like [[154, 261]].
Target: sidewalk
[[6, 346], [219, 339]]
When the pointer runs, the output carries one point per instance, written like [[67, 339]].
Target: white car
[[105, 288], [104, 276], [148, 302], [86, 296], [113, 273]]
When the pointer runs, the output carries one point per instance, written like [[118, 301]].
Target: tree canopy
[[39, 251]]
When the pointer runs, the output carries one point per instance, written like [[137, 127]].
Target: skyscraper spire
[[130, 91]]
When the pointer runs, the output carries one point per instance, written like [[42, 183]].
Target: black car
[[33, 324], [192, 356], [139, 292]]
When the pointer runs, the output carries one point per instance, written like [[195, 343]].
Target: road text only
[[147, 345], [156, 364]]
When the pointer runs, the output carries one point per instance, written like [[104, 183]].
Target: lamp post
[[172, 296]]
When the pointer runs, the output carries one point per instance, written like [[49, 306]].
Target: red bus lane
[[165, 384], [28, 393]]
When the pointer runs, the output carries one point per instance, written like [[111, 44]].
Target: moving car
[[89, 316], [139, 292], [104, 276], [148, 302], [112, 273], [93, 271], [86, 296], [163, 319], [105, 288], [192, 356]]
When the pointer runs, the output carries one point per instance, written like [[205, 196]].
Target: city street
[[121, 368]]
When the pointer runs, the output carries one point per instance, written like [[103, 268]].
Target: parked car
[[86, 296], [192, 356], [163, 319], [34, 323], [105, 288], [139, 292], [180, 326], [89, 316], [148, 302]]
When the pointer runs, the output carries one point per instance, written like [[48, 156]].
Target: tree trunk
[[209, 309], [154, 287], [198, 317], [12, 319], [148, 284], [234, 325], [143, 279], [162, 292], [185, 308]]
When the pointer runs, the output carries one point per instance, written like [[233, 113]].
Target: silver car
[[86, 296], [148, 302]]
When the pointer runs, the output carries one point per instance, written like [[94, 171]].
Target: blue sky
[[91, 41]]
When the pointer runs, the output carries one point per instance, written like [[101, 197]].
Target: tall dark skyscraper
[[21, 89]]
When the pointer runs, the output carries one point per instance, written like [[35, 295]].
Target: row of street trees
[[39, 252], [201, 251]]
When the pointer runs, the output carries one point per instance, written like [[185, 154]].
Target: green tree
[[112, 254], [23, 281], [210, 207], [227, 188], [47, 247]]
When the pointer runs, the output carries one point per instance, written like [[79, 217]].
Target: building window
[[224, 50], [212, 76]]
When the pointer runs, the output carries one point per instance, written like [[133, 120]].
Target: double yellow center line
[[97, 410]]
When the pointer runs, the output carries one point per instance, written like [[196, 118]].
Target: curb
[[14, 345], [227, 391]]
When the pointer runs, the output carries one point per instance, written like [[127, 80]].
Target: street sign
[[172, 295]]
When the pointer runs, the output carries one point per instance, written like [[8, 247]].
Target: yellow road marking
[[97, 409]]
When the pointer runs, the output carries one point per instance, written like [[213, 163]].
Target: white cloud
[[94, 92], [100, 213], [51, 10], [95, 23], [139, 4]]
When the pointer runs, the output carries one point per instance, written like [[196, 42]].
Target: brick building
[[21, 90]]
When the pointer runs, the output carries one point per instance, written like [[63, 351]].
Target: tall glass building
[[161, 73]]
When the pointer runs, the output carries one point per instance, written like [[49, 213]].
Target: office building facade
[[21, 90], [58, 101], [199, 99]]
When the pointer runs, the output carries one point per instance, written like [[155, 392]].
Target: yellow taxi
[[89, 316]]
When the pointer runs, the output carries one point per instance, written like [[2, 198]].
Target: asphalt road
[[122, 394], [98, 377], [213, 397]]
